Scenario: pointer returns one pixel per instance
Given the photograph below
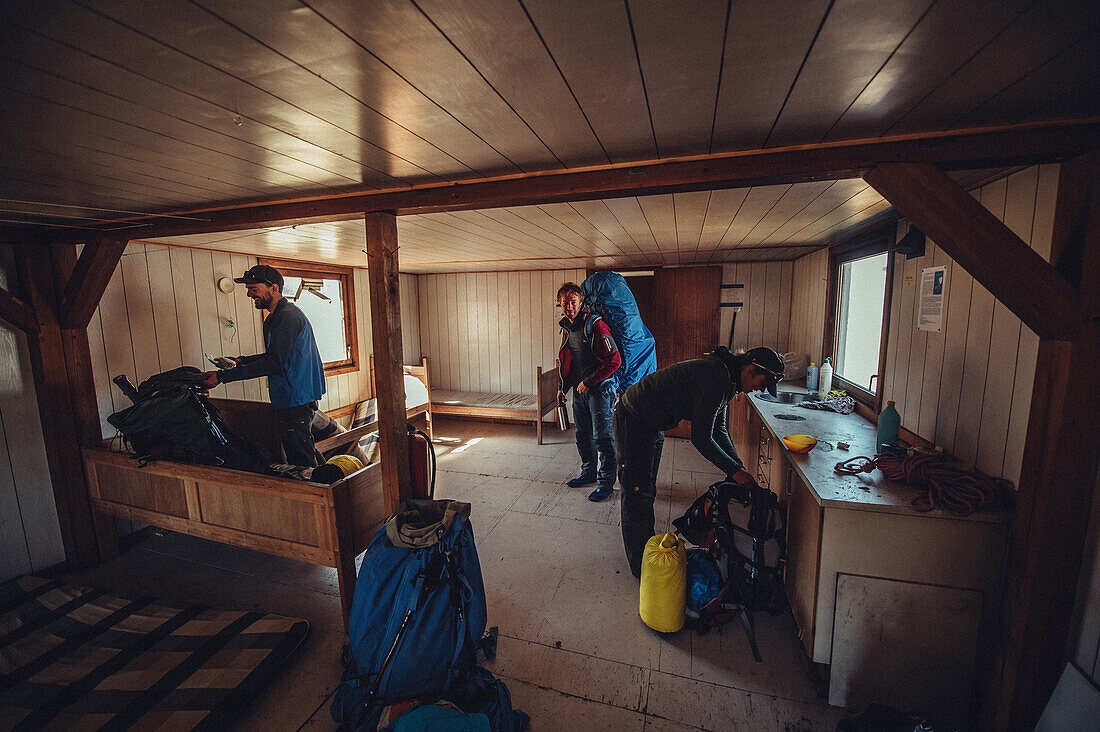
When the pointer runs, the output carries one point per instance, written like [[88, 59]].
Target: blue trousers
[[592, 414]]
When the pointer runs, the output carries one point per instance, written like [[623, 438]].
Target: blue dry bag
[[607, 293]]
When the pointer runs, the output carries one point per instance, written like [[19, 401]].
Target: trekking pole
[[127, 387]]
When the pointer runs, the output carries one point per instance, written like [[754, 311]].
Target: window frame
[[880, 240], [346, 277]]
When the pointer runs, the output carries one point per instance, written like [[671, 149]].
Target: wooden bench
[[511, 407]]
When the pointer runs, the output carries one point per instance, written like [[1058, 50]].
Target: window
[[859, 285], [326, 294]]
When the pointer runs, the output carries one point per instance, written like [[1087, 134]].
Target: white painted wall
[[487, 331]]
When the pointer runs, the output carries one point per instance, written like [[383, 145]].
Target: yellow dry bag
[[664, 583]]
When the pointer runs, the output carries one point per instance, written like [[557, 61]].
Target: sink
[[787, 397]]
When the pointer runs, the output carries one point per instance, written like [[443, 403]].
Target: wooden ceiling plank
[[785, 210], [89, 279], [1037, 35], [1040, 88], [680, 54], [857, 38], [1017, 276], [108, 91], [228, 97], [819, 162], [626, 213], [17, 313], [390, 148], [690, 210], [758, 202], [951, 32], [134, 86], [541, 217], [310, 41], [159, 154], [610, 92], [532, 236], [835, 196], [498, 39], [407, 42], [608, 234], [760, 66]]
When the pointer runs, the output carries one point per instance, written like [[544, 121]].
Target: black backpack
[[172, 419]]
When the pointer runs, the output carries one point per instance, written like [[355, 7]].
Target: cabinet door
[[804, 517]]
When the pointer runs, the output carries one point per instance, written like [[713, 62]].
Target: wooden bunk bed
[[325, 524], [504, 407]]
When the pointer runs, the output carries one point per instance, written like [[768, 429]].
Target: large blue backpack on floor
[[607, 294], [417, 615]]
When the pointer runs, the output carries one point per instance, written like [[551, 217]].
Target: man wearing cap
[[291, 363], [699, 390]]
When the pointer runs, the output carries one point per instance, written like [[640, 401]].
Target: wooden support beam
[[17, 312], [1056, 487], [998, 259], [958, 149], [385, 314], [85, 407], [59, 425], [88, 280]]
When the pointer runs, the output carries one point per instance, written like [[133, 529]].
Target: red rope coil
[[944, 482]]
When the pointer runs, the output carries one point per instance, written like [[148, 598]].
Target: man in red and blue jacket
[[587, 362]]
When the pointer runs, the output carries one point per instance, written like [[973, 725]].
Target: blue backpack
[[607, 293], [418, 611]]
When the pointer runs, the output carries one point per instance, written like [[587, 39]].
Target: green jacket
[[698, 390]]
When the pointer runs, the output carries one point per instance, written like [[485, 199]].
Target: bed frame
[[325, 524], [520, 408]]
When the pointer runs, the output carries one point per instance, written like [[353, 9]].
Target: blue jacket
[[290, 362]]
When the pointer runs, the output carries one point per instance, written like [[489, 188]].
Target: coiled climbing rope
[[944, 482]]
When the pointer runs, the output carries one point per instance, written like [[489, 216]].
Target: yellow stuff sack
[[663, 588], [348, 464]]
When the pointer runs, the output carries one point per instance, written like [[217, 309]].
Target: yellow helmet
[[348, 464]]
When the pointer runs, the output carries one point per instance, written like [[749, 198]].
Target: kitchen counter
[[866, 491], [891, 599]]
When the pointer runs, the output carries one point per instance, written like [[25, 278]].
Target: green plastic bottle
[[888, 423]]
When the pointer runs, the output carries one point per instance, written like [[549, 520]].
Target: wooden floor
[[572, 649]]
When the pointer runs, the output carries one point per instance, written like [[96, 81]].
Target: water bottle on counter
[[811, 377], [888, 422], [826, 378]]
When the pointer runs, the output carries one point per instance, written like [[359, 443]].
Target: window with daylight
[[325, 293], [860, 287]]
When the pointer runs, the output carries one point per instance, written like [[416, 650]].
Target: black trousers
[[297, 428], [638, 447]]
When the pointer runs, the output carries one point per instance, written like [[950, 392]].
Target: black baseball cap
[[261, 274], [770, 362]]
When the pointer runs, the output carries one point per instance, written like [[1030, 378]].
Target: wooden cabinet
[[771, 463], [804, 517], [744, 428]]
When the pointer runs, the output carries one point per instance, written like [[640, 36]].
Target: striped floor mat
[[74, 658]]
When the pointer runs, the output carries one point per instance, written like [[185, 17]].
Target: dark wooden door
[[686, 303]]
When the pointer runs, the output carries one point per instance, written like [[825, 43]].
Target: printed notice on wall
[[932, 283]]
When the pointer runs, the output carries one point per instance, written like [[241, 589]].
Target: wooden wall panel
[[967, 388], [810, 275], [163, 309], [30, 537], [765, 318], [488, 331]]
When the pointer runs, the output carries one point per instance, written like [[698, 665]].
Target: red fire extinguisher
[[423, 475]]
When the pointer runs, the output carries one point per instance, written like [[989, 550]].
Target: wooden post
[[1059, 474], [52, 380], [385, 302], [78, 360]]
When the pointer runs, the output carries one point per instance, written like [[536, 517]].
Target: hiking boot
[[580, 480], [600, 494]]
